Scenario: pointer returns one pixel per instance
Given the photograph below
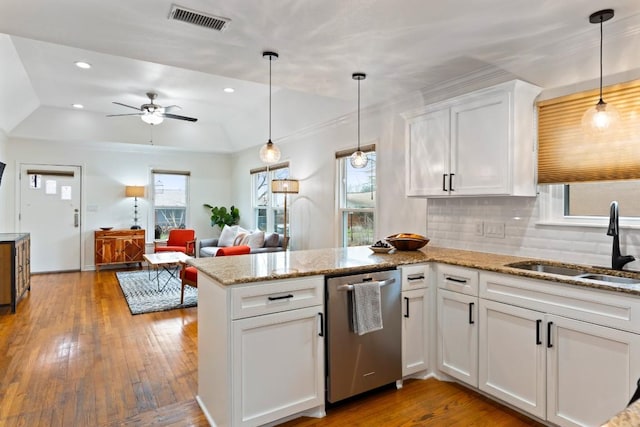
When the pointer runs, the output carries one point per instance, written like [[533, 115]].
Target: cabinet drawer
[[272, 297], [414, 276], [457, 279], [604, 308]]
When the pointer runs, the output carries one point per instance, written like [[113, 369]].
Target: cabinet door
[[480, 150], [591, 371], [458, 336], [513, 355], [415, 332], [427, 154], [278, 365]]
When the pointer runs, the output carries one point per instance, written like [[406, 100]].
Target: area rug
[[142, 294]]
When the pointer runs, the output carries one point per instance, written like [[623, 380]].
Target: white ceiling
[[403, 46]]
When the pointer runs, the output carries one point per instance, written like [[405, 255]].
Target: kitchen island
[[261, 328]]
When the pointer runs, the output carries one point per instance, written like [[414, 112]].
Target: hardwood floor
[[73, 355]]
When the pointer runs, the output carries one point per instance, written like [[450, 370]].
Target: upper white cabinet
[[478, 144]]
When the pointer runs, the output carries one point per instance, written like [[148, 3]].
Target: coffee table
[[167, 261]]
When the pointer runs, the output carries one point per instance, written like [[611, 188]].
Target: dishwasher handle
[[381, 283]]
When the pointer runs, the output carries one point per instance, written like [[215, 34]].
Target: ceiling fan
[[153, 113]]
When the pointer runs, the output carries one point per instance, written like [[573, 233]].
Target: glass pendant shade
[[359, 159], [269, 153], [601, 118]]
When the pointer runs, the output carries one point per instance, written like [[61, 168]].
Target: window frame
[[272, 207], [342, 212], [187, 211], [552, 211]]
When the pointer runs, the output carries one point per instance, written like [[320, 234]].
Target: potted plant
[[222, 216]]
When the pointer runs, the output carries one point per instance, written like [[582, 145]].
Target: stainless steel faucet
[[617, 261]]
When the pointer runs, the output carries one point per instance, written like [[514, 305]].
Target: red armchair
[[180, 240], [188, 277], [233, 250]]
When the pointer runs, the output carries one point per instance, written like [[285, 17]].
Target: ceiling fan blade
[[128, 106], [132, 114], [175, 116], [171, 108]]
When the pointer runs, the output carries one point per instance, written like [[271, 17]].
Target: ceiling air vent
[[194, 17]]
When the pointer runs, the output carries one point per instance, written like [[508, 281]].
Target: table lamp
[[134, 191]]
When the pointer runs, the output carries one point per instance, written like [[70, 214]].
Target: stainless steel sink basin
[[548, 268], [610, 279]]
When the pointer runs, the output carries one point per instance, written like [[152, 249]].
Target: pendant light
[[359, 159], [601, 117], [270, 153]]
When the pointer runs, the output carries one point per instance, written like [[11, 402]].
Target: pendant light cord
[[271, 59], [601, 20], [358, 115]]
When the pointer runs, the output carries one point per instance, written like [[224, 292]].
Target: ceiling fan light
[[269, 153], [151, 118], [359, 159]]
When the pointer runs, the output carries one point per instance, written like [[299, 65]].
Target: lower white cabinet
[[260, 350], [458, 336], [568, 371], [278, 365], [415, 336]]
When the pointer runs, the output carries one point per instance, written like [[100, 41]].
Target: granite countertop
[[627, 418], [12, 237], [289, 264]]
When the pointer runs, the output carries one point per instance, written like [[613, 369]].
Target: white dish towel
[[366, 308]]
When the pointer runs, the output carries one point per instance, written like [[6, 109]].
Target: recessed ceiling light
[[83, 65], [229, 89], [78, 106]]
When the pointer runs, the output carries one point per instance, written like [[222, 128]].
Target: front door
[[50, 211]]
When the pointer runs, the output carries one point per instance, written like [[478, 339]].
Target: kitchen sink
[[610, 279], [548, 268]]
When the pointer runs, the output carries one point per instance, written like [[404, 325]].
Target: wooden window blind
[[566, 154], [271, 168], [347, 153]]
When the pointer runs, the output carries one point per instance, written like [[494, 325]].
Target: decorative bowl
[[407, 241], [381, 249], [106, 228]]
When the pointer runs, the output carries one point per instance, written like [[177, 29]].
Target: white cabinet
[[278, 365], [540, 351], [482, 143], [591, 371], [415, 320], [457, 327], [260, 350]]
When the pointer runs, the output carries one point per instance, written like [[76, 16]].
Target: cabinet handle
[[415, 277], [76, 219], [451, 279], [444, 182], [471, 322], [406, 300], [321, 333], [538, 340], [451, 182], [549, 343], [280, 297]]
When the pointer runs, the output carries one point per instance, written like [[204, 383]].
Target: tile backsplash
[[509, 225]]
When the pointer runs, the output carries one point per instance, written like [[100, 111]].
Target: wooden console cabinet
[[119, 247], [15, 267]]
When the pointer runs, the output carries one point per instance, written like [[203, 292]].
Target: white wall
[[5, 202], [312, 160], [106, 172]]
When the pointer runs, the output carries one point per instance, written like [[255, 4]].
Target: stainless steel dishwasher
[[358, 363]]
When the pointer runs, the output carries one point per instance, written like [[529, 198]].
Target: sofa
[[273, 242]]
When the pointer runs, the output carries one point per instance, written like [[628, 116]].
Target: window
[[170, 196], [268, 209], [357, 199], [587, 203]]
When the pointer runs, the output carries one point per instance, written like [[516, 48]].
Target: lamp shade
[[134, 191], [152, 118], [285, 186]]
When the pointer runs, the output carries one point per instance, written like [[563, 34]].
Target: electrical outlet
[[494, 229], [479, 228]]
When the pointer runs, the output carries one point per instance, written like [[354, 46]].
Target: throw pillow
[[228, 235], [254, 240], [239, 239], [271, 240]]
